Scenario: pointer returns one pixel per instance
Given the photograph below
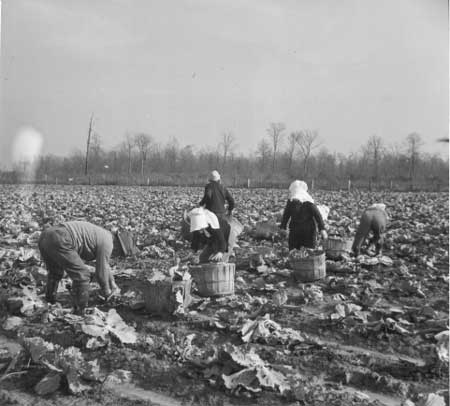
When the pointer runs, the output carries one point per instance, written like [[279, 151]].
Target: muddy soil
[[381, 351]]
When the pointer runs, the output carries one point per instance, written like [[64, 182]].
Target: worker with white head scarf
[[374, 219], [209, 232], [303, 217]]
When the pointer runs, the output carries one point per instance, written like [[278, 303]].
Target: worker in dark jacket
[[65, 247], [373, 219], [210, 233], [304, 217], [216, 195]]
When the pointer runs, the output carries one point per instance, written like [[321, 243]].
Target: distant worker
[[303, 216], [215, 196], [65, 246], [211, 233], [373, 219]]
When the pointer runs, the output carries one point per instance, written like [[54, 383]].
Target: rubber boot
[[80, 297], [378, 249], [51, 289]]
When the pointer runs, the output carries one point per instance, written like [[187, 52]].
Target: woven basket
[[214, 279], [160, 299], [309, 269], [336, 246]]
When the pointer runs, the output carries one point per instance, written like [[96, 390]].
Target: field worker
[[373, 219], [215, 196], [212, 231], [304, 217], [65, 246]]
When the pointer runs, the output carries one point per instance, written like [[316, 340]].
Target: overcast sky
[[192, 69]]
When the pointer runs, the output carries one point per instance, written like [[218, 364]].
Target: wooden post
[[148, 181], [248, 183], [312, 184], [56, 181], [349, 185]]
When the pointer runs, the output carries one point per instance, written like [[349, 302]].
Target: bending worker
[[305, 218], [373, 219], [210, 233], [65, 246]]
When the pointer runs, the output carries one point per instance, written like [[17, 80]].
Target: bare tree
[[414, 142], [293, 140], [88, 144], [308, 140], [171, 153], [264, 152], [128, 145], [142, 142], [226, 145], [374, 149], [275, 134], [96, 146]]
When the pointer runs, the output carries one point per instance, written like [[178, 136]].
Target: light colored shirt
[[92, 243]]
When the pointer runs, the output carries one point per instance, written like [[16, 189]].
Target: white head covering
[[299, 190], [378, 206], [215, 176], [202, 218]]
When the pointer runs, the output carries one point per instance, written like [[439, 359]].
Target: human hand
[[106, 296], [324, 234], [216, 257], [194, 259], [282, 232]]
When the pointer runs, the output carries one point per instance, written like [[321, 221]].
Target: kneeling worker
[[373, 219], [65, 246], [211, 231]]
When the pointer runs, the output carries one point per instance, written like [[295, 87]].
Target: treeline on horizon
[[278, 159]]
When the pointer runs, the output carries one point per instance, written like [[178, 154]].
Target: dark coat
[[218, 242], [305, 219], [215, 197]]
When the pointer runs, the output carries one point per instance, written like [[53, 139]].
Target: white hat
[[215, 176], [202, 218], [378, 206], [299, 190]]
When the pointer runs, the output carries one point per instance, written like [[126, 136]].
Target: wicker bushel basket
[[309, 269], [159, 296], [214, 279], [336, 246]]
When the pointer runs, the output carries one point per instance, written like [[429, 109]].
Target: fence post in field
[[45, 177], [56, 181], [349, 185], [248, 183], [312, 184], [390, 185], [148, 181]]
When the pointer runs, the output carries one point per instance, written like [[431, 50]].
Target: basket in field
[[160, 296], [309, 269], [336, 246], [214, 279]]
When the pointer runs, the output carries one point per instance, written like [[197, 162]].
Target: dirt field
[[373, 332]]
